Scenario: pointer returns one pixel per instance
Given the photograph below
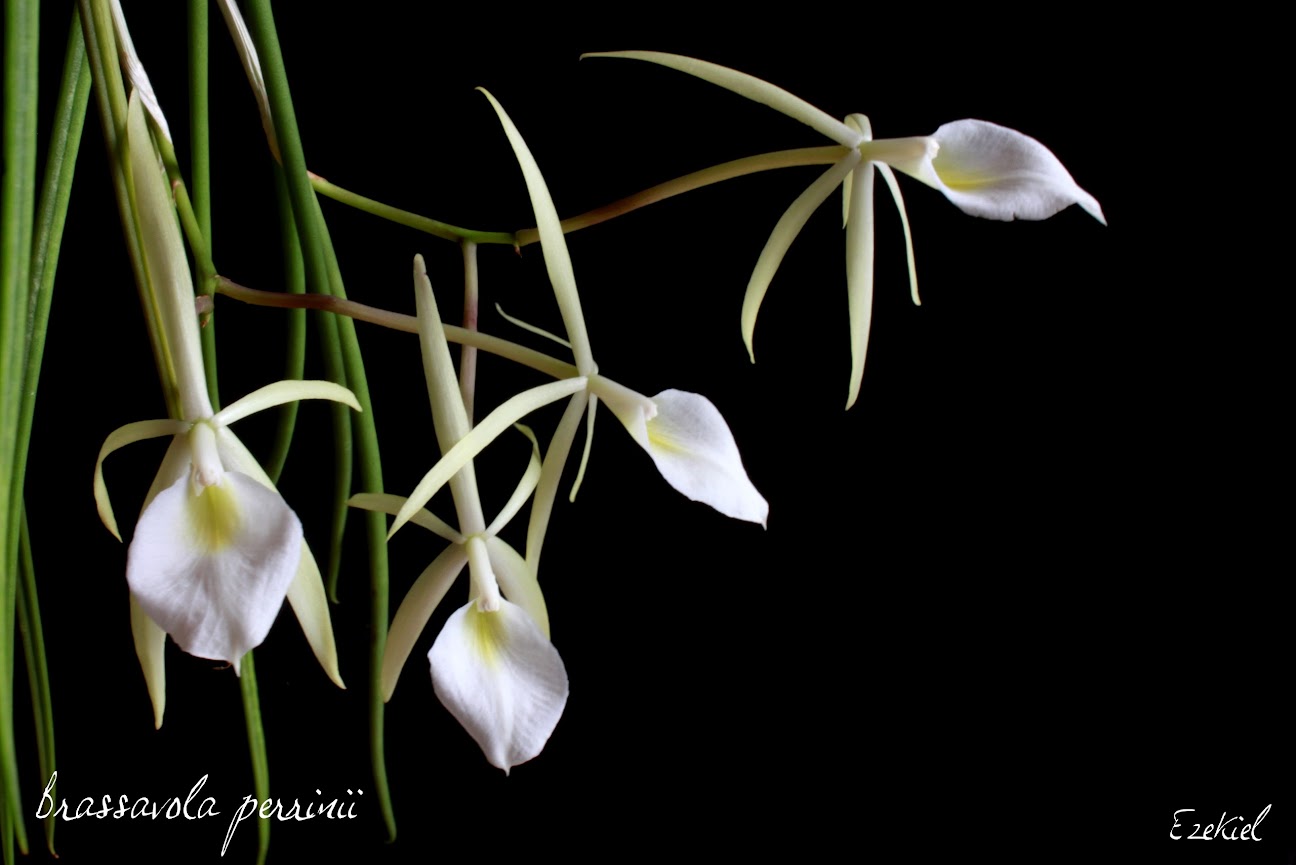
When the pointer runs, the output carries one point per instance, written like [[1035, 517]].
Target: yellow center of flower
[[487, 631], [214, 517]]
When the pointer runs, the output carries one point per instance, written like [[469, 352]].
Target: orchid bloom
[[987, 170], [684, 433], [216, 549], [493, 666]]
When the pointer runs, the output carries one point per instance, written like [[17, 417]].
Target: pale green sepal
[[524, 488], [167, 265], [889, 176], [150, 648], [448, 411], [386, 503], [283, 392], [310, 604], [517, 581], [317, 628], [860, 123], [415, 610], [788, 227], [546, 492], [508, 413], [557, 260], [119, 438], [859, 273], [749, 86], [589, 444]]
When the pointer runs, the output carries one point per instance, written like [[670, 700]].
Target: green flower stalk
[[985, 169]]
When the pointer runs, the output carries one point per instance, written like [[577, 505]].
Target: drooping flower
[[684, 433], [493, 666], [985, 169], [216, 549]]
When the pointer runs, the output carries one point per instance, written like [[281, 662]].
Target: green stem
[[257, 748], [399, 321], [17, 202], [725, 171], [295, 351], [698, 179], [33, 639], [60, 162], [444, 230], [319, 263], [200, 173]]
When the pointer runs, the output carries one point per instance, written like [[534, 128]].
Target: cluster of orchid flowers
[[216, 550]]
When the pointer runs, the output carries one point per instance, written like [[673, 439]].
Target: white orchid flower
[[684, 433], [493, 666], [216, 549], [987, 170]]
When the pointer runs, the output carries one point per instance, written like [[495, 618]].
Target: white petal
[[213, 569], [502, 679], [696, 454], [998, 173]]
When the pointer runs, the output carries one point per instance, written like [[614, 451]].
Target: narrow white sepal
[[415, 609], [505, 415], [150, 649], [552, 243], [995, 172], [310, 605], [749, 86], [166, 264], [290, 390], [859, 273], [501, 679], [386, 503], [212, 570], [119, 438], [780, 239], [526, 485]]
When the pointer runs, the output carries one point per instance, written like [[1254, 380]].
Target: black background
[[1023, 600]]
